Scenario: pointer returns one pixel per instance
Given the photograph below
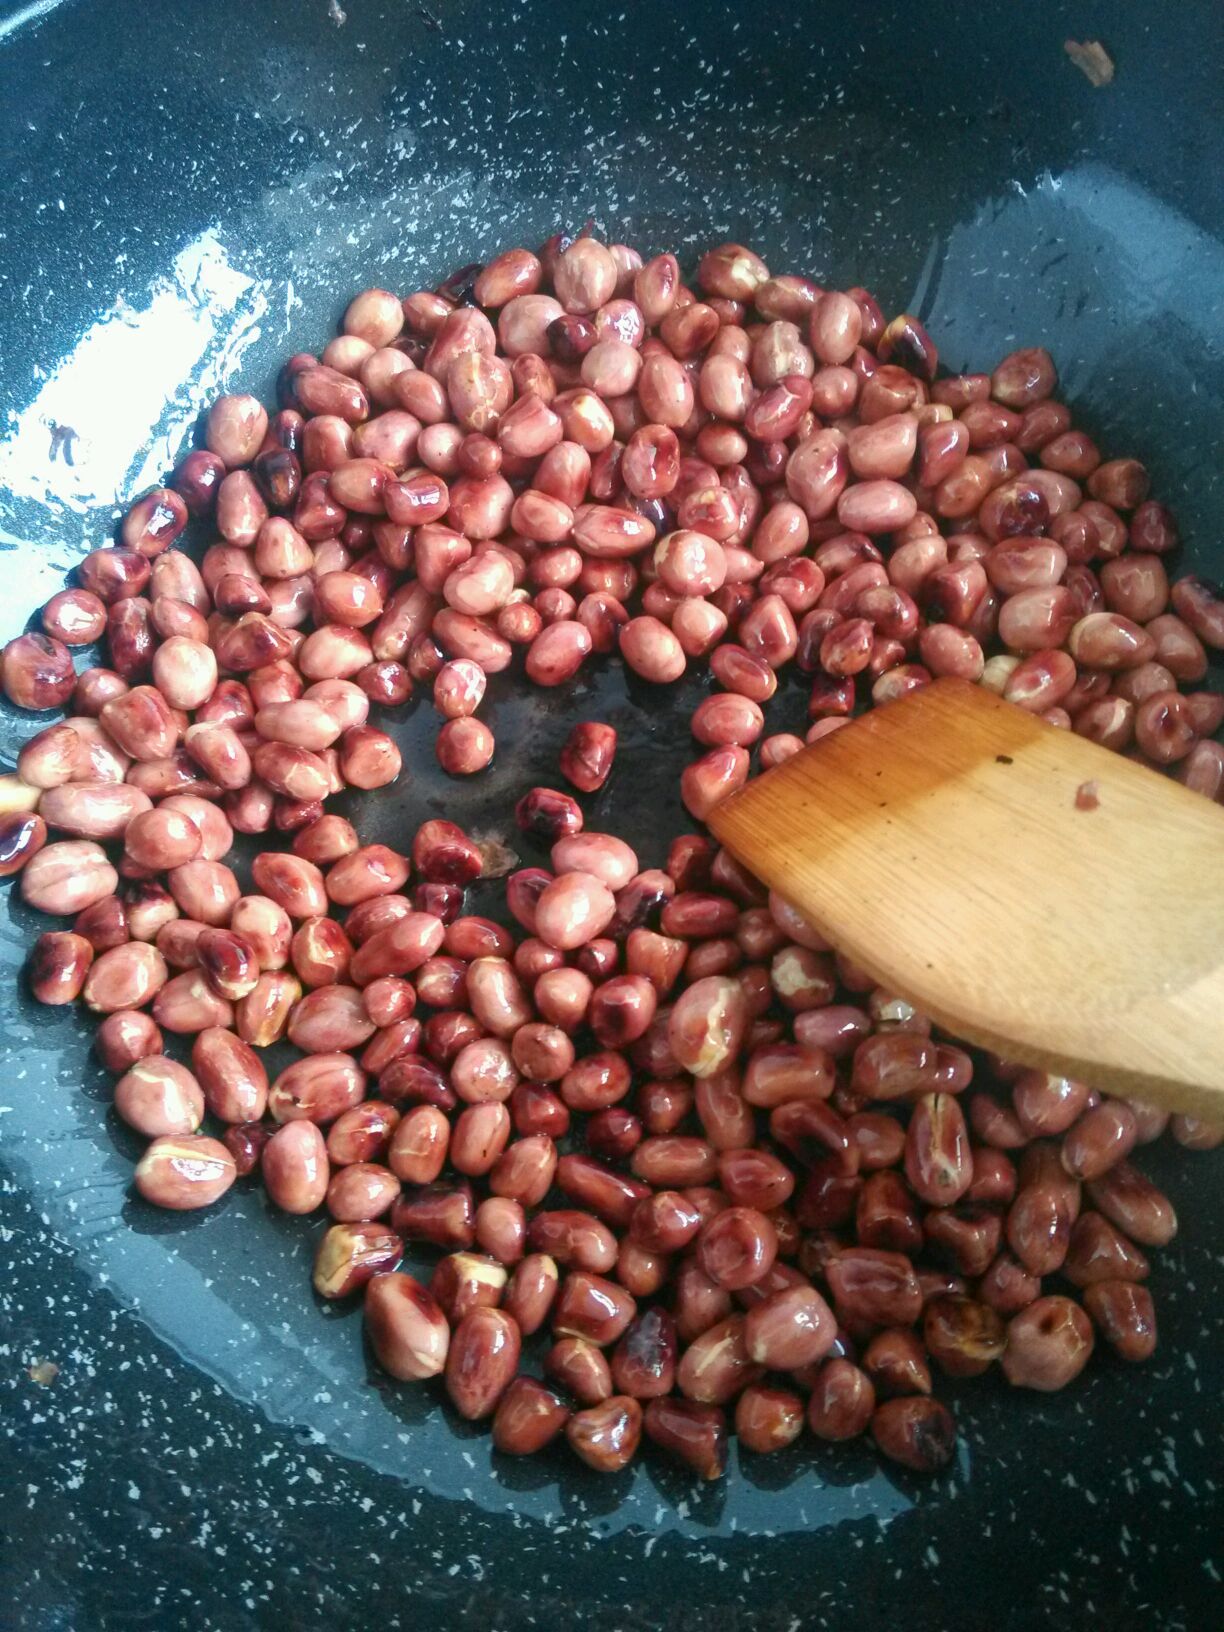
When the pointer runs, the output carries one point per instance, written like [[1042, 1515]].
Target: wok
[[188, 194]]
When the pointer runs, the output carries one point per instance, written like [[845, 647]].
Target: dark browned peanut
[[610, 1195], [699, 1303], [245, 1142], [962, 1336], [915, 1431], [665, 1221]]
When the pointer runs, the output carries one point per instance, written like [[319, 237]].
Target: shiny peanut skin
[[481, 1361], [183, 1173], [407, 1330], [766, 1170]]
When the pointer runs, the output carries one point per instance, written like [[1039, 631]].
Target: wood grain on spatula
[[1034, 893]]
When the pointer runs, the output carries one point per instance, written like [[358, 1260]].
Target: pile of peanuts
[[661, 1131]]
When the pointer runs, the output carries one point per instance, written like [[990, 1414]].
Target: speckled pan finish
[[187, 194]]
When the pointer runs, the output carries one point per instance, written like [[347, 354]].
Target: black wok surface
[[191, 192]]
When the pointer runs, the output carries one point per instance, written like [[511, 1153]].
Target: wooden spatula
[[1034, 893]]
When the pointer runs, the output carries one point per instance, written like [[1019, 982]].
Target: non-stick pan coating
[[189, 193]]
